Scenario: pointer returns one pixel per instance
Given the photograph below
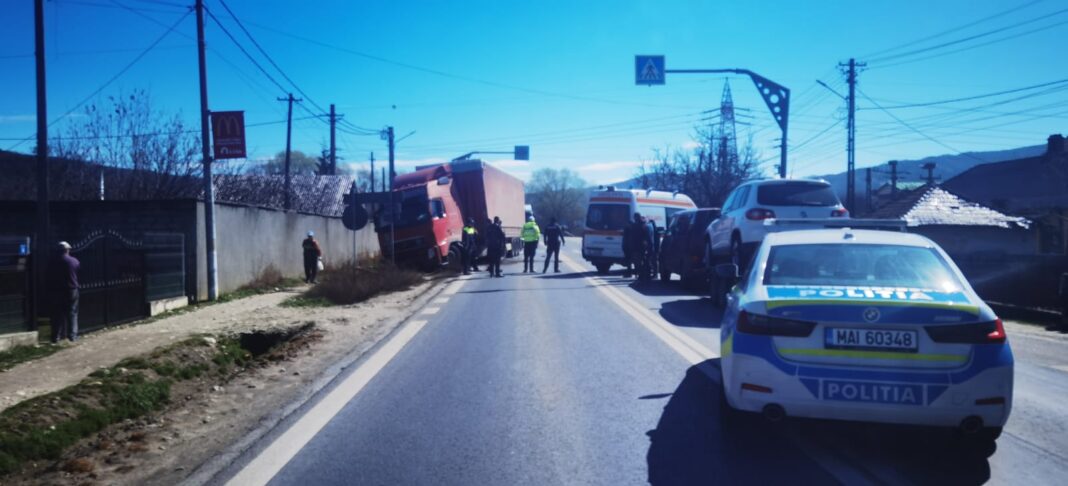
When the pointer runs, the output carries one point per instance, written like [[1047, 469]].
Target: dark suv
[[683, 250]]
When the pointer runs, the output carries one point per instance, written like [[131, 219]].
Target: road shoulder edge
[[210, 471]]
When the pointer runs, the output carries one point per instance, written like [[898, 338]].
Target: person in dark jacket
[[628, 251], [641, 237], [495, 246], [63, 284], [554, 239], [312, 252], [470, 246]]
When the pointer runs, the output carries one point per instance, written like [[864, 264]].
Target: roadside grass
[[349, 282], [42, 428], [21, 354]]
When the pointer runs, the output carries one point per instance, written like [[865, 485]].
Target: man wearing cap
[[63, 283], [312, 252]]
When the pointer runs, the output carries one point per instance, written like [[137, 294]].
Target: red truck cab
[[434, 202]]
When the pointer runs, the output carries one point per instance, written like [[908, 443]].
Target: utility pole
[[893, 179], [334, 117], [867, 193], [851, 79], [42, 238], [929, 167], [383, 178], [392, 206], [372, 172], [289, 137], [205, 145]]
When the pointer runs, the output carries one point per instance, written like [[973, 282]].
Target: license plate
[[876, 339]]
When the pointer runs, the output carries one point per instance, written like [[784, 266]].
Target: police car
[[863, 325]]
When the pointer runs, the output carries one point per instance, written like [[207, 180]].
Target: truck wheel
[[602, 268], [455, 260]]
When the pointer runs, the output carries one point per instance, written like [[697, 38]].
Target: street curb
[[208, 471]]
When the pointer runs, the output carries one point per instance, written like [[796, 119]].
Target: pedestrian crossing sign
[[648, 70]]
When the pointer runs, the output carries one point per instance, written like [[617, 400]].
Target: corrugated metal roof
[[933, 205]]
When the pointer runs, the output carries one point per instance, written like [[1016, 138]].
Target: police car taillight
[[990, 332], [773, 326], [758, 214]]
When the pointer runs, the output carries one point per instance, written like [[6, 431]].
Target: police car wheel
[[602, 268]]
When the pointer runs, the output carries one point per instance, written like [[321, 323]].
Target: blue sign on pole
[[649, 70]]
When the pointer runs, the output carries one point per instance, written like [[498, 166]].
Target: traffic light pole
[[775, 95]]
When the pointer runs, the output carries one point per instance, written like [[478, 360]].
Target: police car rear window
[[860, 265], [796, 193]]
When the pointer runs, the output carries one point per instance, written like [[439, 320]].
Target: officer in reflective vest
[[470, 247], [530, 235]]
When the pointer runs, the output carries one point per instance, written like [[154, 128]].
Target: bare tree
[[705, 174], [160, 152], [299, 164], [557, 193]]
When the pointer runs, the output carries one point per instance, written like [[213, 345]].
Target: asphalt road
[[574, 378]]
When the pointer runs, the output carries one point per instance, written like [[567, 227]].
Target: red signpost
[[228, 134]]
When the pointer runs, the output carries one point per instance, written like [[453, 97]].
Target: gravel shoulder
[[198, 427]]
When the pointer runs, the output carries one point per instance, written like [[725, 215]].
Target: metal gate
[[112, 280]]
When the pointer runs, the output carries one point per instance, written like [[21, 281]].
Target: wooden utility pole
[[867, 192], [372, 172], [205, 145], [893, 179], [41, 241], [930, 167], [289, 138], [334, 117], [392, 205]]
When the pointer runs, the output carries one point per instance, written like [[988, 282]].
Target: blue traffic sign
[[649, 70]]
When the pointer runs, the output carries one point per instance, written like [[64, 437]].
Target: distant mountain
[[946, 167]]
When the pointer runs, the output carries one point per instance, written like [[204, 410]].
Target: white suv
[[738, 231]]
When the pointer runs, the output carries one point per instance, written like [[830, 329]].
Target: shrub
[[348, 282], [268, 278]]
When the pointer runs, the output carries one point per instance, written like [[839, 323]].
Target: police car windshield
[[607, 216], [860, 265]]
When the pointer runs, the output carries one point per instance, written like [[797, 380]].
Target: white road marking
[[691, 350], [430, 310], [261, 469], [441, 300], [696, 353]]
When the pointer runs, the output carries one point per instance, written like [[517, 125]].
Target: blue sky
[[558, 76]]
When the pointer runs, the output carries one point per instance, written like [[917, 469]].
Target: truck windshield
[[413, 210], [607, 216], [859, 265], [796, 193]]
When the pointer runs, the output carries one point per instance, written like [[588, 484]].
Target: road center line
[[691, 350], [261, 469]]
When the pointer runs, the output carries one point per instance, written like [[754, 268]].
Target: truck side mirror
[[727, 270]]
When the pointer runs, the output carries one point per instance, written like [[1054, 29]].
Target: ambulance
[[610, 210]]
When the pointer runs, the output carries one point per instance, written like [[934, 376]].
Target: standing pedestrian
[[634, 241], [495, 243], [646, 231], [530, 235], [312, 253], [628, 250], [470, 247], [554, 239], [63, 283]]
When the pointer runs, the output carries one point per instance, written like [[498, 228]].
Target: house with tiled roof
[[963, 228], [1033, 187]]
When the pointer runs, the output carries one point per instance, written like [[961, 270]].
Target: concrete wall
[[248, 239]]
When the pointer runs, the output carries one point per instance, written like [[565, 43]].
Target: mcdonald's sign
[[228, 134]]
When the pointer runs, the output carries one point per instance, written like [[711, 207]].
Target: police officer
[[495, 242], [647, 233], [470, 247], [554, 239], [530, 235]]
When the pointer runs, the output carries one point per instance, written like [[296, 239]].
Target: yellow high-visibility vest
[[469, 230], [530, 232]]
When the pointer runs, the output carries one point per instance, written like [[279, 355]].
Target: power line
[[968, 38], [910, 127], [968, 98], [111, 79], [952, 30], [974, 46], [283, 73]]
